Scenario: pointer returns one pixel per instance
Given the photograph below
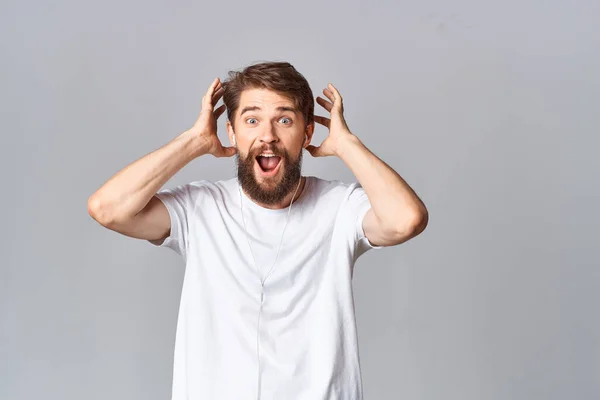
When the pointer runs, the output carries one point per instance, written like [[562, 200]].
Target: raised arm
[[397, 214], [127, 204]]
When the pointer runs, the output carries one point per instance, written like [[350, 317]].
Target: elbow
[[421, 222], [99, 211], [415, 224]]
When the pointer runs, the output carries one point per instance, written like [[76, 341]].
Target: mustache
[[270, 149]]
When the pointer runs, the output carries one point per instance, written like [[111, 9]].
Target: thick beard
[[292, 172]]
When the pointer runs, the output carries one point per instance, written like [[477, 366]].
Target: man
[[266, 307]]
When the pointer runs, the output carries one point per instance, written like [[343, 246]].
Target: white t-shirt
[[306, 335]]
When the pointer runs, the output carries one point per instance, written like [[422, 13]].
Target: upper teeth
[[267, 155]]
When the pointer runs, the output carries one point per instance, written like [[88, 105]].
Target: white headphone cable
[[262, 280]]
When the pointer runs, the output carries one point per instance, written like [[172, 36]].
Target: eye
[[290, 121], [250, 119]]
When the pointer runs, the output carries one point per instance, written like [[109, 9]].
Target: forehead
[[264, 98]]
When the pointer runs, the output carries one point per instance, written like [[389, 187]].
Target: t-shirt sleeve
[[179, 202], [356, 207]]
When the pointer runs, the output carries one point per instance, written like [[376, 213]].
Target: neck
[[287, 200]]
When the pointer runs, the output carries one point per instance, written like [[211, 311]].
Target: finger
[[219, 110], [324, 103], [336, 93], [213, 87], [337, 97], [206, 99], [219, 92], [322, 120], [329, 95]]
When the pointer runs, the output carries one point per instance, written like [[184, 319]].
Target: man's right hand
[[205, 128]]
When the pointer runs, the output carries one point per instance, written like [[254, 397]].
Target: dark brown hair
[[278, 76]]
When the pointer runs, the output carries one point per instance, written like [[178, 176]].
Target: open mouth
[[268, 165]]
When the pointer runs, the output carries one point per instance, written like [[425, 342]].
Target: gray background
[[486, 108]]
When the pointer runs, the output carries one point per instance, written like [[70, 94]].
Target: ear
[[310, 129], [230, 132]]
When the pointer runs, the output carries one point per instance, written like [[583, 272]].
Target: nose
[[268, 134]]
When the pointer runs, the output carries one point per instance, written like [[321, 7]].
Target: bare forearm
[[130, 190], [393, 201]]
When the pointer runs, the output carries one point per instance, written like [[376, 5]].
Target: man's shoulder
[[202, 188], [221, 188], [334, 192], [332, 187]]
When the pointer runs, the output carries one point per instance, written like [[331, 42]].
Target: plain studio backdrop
[[488, 109]]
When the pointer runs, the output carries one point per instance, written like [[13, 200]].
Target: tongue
[[268, 163]]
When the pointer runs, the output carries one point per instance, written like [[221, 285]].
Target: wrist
[[194, 144], [345, 143]]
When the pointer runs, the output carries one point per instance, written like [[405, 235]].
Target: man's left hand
[[338, 129]]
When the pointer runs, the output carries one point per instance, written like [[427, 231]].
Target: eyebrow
[[280, 108]]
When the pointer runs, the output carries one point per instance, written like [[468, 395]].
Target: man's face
[[269, 135]]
